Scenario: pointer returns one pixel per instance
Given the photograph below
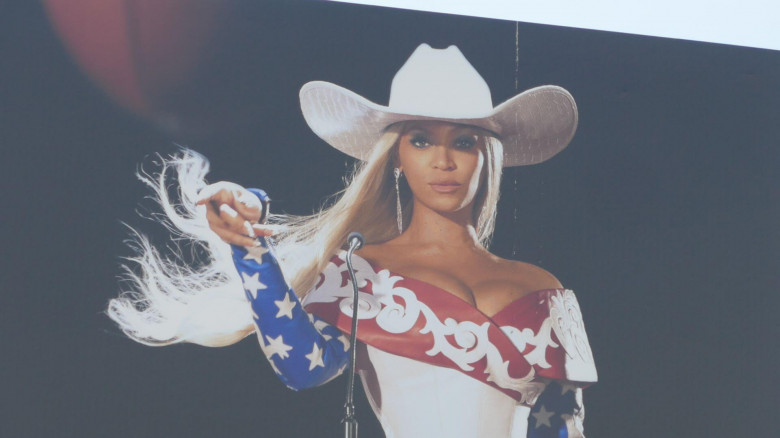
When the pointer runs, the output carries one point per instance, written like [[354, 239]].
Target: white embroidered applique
[[471, 341], [570, 330], [565, 321]]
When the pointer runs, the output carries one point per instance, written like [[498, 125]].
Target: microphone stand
[[349, 421]]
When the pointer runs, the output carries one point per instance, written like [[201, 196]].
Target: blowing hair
[[170, 300]]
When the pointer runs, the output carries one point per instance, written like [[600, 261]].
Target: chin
[[447, 206]]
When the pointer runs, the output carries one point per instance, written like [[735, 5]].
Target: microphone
[[356, 240], [349, 421]]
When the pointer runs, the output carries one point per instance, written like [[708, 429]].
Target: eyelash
[[470, 142], [419, 139], [459, 142]]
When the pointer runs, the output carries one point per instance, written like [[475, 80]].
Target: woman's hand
[[232, 212]]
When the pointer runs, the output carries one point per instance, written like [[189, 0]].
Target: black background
[[662, 214]]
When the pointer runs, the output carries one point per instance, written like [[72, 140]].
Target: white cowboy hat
[[440, 84]]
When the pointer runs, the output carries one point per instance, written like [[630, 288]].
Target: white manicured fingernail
[[249, 230], [227, 209], [204, 194]]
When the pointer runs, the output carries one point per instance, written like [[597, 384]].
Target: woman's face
[[443, 163]]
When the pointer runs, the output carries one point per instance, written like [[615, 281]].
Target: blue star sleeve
[[303, 350], [558, 413]]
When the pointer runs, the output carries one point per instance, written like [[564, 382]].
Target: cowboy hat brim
[[533, 126]]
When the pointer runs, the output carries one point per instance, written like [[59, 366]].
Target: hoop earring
[[398, 212]]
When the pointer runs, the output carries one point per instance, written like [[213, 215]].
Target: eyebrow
[[417, 128], [458, 130]]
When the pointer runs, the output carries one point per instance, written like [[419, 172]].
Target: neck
[[432, 228]]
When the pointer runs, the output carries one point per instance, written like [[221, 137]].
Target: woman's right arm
[[558, 412], [303, 350]]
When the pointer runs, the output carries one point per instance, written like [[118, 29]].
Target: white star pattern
[[277, 346], [573, 424], [566, 387], [252, 284], [329, 334], [285, 306], [315, 358], [255, 253], [262, 347], [543, 417], [344, 340]]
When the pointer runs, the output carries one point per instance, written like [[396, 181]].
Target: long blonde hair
[[171, 301]]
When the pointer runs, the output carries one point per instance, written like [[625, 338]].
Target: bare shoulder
[[529, 277]]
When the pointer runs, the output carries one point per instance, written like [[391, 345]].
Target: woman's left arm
[[303, 350], [558, 412]]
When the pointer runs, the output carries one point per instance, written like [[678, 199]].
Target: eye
[[419, 141], [465, 142]]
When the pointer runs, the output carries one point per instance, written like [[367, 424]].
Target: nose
[[441, 158]]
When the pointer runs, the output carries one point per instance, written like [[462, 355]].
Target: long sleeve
[[558, 413], [303, 350]]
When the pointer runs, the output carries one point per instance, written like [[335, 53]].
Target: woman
[[454, 341]]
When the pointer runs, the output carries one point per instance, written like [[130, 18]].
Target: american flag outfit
[[432, 364]]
